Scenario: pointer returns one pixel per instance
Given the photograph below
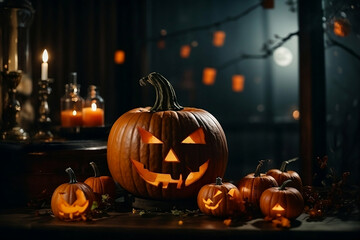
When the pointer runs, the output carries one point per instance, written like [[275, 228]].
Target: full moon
[[283, 56]]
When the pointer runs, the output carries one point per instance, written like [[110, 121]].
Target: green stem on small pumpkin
[[282, 187], [165, 93], [218, 181], [71, 175], [285, 163], [95, 168]]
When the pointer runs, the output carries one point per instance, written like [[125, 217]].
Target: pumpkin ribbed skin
[[252, 187], [281, 177], [288, 197], [221, 205], [67, 192], [171, 127], [101, 184]]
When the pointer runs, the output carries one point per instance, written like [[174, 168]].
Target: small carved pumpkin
[[219, 199], [282, 201], [281, 175], [72, 201], [253, 185], [167, 151], [101, 185]]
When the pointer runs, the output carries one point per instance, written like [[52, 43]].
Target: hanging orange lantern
[[342, 27], [268, 4], [219, 38], [185, 51], [238, 83], [209, 75], [119, 57]]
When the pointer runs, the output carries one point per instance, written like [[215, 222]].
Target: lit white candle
[[44, 66]]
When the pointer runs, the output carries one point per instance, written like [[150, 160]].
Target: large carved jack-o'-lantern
[[167, 151]]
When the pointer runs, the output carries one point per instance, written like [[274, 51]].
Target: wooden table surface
[[129, 225]]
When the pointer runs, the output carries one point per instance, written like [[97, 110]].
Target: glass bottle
[[93, 111], [72, 104]]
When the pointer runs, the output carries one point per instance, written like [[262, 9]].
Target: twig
[[207, 26], [342, 46], [268, 52]]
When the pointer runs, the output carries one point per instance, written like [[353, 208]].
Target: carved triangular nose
[[171, 157]]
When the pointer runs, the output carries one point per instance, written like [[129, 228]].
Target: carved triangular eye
[[218, 192], [197, 137], [147, 137], [231, 192]]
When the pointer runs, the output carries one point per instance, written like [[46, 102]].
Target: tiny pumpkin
[[219, 199], [253, 185], [101, 185], [282, 201], [281, 175], [72, 201]]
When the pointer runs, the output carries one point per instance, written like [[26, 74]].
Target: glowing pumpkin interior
[[215, 202], [77, 208], [278, 209], [196, 137]]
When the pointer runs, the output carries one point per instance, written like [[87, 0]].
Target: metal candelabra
[[44, 121], [12, 130]]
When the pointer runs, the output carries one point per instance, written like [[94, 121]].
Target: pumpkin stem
[[218, 181], [282, 187], [258, 167], [285, 163], [71, 175], [95, 168], [165, 93]]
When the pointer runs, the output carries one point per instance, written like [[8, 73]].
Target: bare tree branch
[[268, 52], [211, 25], [333, 42]]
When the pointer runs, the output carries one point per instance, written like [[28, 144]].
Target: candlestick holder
[[44, 121], [12, 130]]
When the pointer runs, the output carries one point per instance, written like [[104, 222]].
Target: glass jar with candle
[[93, 111], [72, 104]]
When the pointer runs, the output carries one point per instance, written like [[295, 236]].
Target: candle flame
[[278, 207], [45, 56], [74, 113], [93, 106]]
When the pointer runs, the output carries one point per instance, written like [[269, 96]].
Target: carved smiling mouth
[[209, 202], [157, 178]]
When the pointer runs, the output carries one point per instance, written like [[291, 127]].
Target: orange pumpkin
[[253, 185], [282, 201], [101, 185], [72, 201], [281, 175], [219, 199], [166, 151]]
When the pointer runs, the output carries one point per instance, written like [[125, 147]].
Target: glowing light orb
[[283, 56]]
